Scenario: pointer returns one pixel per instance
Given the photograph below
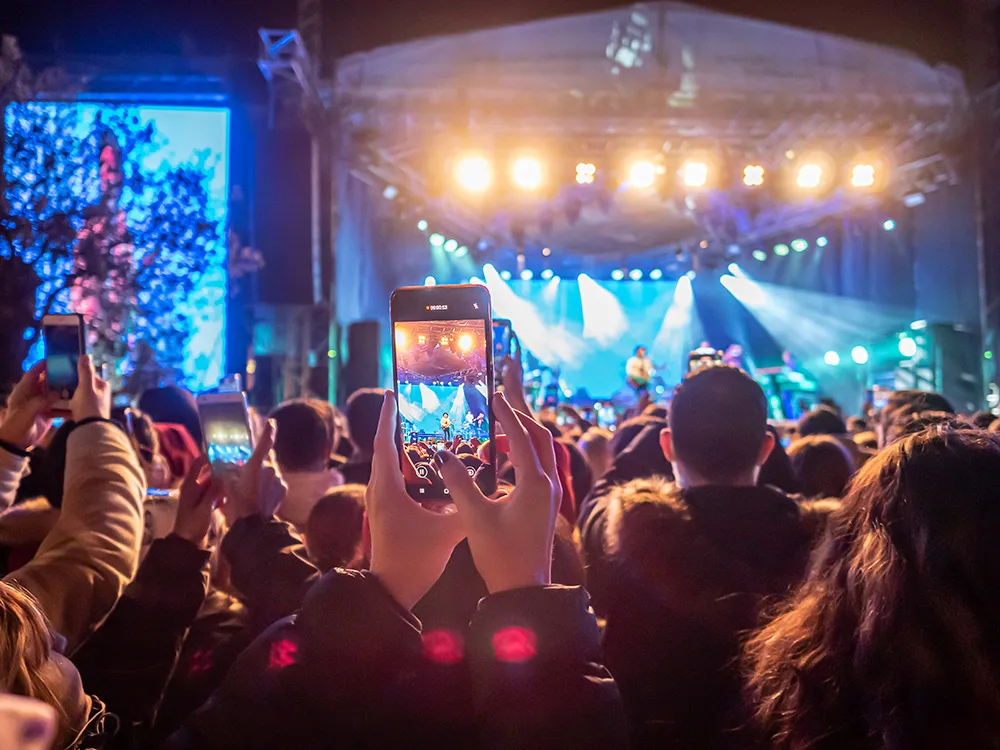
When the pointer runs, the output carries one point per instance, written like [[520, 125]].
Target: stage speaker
[[947, 361], [362, 367]]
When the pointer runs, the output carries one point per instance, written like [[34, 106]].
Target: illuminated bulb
[[759, 255], [430, 281], [863, 175], [526, 274], [505, 275], [451, 246], [822, 242], [800, 245], [422, 225], [832, 359], [907, 346], [695, 174], [547, 274], [462, 251], [635, 274], [436, 239], [465, 342], [781, 250], [753, 175], [810, 176], [618, 274], [860, 355], [656, 274], [474, 174], [642, 174], [527, 173], [585, 173]]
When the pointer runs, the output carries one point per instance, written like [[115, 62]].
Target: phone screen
[[444, 379], [227, 432], [62, 355]]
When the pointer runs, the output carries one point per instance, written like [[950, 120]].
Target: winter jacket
[[683, 575], [352, 670], [92, 552]]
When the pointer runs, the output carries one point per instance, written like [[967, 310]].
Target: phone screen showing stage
[[226, 432], [443, 384], [62, 355]]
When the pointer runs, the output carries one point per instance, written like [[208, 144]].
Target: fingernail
[[441, 456]]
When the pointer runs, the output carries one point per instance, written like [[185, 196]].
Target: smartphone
[[64, 343], [225, 422], [442, 358], [502, 332]]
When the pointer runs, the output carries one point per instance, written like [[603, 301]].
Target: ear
[[766, 448], [666, 445]]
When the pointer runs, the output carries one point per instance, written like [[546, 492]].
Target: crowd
[[682, 582]]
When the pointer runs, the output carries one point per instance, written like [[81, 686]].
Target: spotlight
[[422, 225], [430, 281], [462, 251], [888, 225], [390, 192], [800, 245], [436, 239], [781, 250], [618, 274], [642, 174], [860, 355], [832, 359], [863, 176], [656, 274], [753, 175], [546, 251], [526, 172], [635, 274], [547, 274], [450, 246], [465, 342], [526, 274], [809, 176], [759, 255], [585, 173], [907, 346], [822, 242], [400, 338], [505, 275], [474, 173], [694, 173]]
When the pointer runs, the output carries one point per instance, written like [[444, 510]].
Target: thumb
[[461, 487], [263, 448], [85, 371]]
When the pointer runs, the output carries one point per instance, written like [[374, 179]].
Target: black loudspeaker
[[362, 368]]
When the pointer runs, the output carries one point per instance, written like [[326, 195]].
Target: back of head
[[822, 464], [25, 646], [303, 440], [173, 405], [362, 412], [629, 429], [718, 422], [580, 474], [333, 532], [983, 419], [596, 446], [821, 421], [898, 620], [901, 402]]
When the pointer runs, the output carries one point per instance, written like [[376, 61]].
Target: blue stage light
[[505, 275], [618, 274], [759, 255], [436, 239], [547, 274], [422, 225], [822, 242], [656, 274], [526, 274], [888, 225], [635, 274], [450, 246], [430, 281]]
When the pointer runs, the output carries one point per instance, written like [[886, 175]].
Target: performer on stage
[[480, 419], [639, 370], [469, 425], [446, 426]]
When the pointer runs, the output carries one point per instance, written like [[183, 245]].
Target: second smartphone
[[442, 356]]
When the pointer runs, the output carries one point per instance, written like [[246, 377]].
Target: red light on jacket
[[514, 645], [284, 653], [443, 646]]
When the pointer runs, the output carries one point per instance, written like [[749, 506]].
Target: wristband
[[14, 449]]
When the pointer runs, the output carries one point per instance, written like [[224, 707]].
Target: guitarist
[[639, 371]]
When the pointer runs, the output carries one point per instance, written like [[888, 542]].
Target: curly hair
[[893, 640]]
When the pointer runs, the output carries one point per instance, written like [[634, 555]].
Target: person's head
[[580, 475], [822, 464], [717, 430], [30, 666], [173, 405], [596, 446], [908, 422], [777, 470], [656, 411], [640, 351], [302, 441], [821, 421], [362, 412], [894, 634], [334, 528], [983, 419], [901, 402], [856, 425]]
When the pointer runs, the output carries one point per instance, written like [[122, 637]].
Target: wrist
[[17, 443], [496, 585], [397, 586]]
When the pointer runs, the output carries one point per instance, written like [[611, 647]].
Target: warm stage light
[[585, 173], [526, 172], [474, 173], [400, 338], [642, 174], [465, 342], [863, 176], [831, 358], [546, 251], [753, 175], [809, 176], [694, 173]]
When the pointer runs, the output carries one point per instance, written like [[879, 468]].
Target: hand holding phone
[[225, 422], [26, 420]]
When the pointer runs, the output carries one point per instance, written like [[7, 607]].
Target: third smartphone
[[442, 357], [225, 422], [64, 343]]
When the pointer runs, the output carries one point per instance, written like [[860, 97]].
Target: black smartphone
[[225, 422], [502, 333], [442, 357], [64, 343]]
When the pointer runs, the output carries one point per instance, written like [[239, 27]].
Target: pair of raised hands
[[510, 535]]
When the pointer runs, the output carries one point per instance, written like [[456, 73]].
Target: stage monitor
[[123, 212]]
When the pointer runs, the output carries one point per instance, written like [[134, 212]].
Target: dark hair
[[983, 419], [892, 640], [822, 465], [173, 405], [628, 431], [656, 411], [334, 528], [777, 470], [636, 350], [580, 475], [821, 421], [909, 401], [303, 440], [362, 412], [856, 425], [552, 426], [718, 420]]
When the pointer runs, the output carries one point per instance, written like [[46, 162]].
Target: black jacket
[[681, 576], [351, 670]]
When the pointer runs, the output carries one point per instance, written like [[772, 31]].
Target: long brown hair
[[893, 640]]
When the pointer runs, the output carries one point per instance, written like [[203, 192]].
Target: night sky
[[211, 27]]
